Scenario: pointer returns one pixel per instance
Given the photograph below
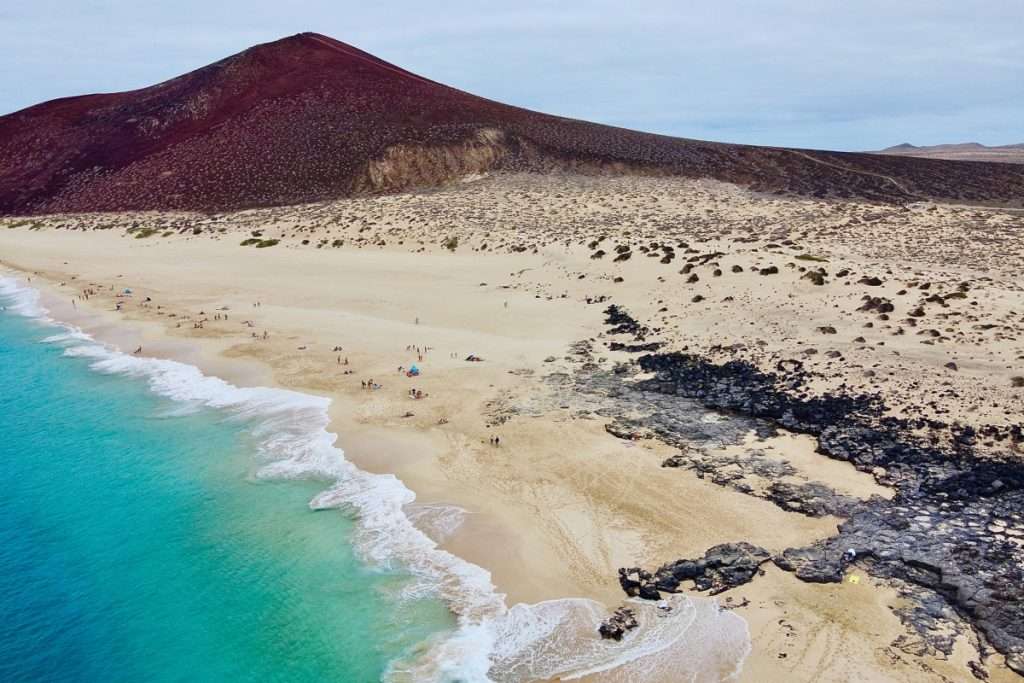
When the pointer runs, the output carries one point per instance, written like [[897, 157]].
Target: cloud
[[830, 74]]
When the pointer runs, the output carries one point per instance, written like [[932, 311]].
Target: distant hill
[[964, 151], [309, 118]]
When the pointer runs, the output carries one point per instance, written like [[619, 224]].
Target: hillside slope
[[309, 118], [964, 151]]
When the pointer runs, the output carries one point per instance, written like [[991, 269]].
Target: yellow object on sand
[[854, 578]]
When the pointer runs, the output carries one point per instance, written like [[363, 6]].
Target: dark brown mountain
[[309, 118], [963, 151]]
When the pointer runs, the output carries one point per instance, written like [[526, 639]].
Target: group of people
[[420, 351], [367, 385], [84, 296]]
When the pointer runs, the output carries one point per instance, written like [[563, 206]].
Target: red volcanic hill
[[309, 118]]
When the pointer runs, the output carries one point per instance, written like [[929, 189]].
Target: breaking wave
[[695, 641]]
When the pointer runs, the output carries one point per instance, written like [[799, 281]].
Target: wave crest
[[697, 641]]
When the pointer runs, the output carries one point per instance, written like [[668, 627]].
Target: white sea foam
[[21, 300], [695, 642]]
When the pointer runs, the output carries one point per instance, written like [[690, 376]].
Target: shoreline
[[351, 417], [98, 329], [576, 488]]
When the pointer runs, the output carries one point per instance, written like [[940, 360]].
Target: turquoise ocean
[[139, 543], [157, 524]]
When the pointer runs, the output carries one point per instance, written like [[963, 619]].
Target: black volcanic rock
[[723, 567], [618, 624], [953, 534]]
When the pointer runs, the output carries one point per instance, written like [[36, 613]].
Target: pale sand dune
[[561, 504]]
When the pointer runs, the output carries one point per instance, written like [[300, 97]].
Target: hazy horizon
[[848, 78]]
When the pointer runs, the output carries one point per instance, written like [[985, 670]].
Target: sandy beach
[[502, 269]]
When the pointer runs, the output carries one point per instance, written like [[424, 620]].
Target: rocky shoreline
[[951, 538]]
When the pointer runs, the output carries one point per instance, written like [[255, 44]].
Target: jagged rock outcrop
[[723, 567], [618, 624], [954, 531]]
